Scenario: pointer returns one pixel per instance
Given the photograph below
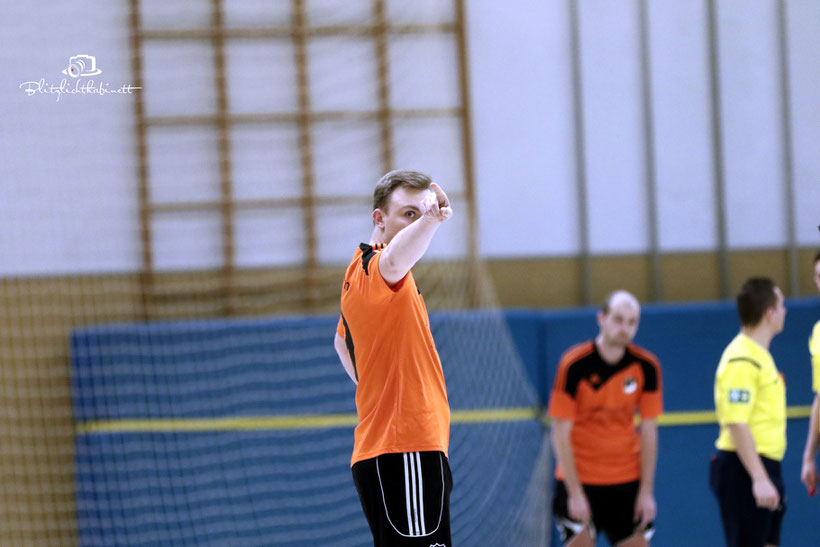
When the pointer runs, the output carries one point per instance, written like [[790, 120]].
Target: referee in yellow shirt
[[750, 398], [808, 472]]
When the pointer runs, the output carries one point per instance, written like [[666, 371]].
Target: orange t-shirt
[[401, 398], [601, 400]]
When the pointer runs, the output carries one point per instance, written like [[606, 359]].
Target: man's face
[[402, 210], [620, 324], [777, 314], [817, 274]]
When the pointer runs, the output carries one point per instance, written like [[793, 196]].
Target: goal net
[[167, 311]]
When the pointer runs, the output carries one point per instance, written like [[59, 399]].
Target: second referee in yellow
[[750, 398]]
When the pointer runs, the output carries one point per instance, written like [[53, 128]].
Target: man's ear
[[378, 218]]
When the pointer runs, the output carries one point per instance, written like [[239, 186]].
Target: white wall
[[804, 44], [68, 194], [540, 149], [522, 122], [683, 135], [68, 172]]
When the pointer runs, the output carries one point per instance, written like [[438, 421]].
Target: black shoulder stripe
[[581, 369], [367, 255], [350, 347], [750, 361], [650, 376]]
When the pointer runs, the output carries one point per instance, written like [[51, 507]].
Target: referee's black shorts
[[406, 498], [744, 523]]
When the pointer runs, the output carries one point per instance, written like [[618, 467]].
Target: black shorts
[[613, 511], [744, 523], [406, 498]]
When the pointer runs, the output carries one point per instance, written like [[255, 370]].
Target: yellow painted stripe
[[494, 415], [252, 423], [249, 423], [709, 417], [798, 411], [326, 421], [697, 417]]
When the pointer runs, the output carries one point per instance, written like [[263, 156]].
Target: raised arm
[[410, 244]]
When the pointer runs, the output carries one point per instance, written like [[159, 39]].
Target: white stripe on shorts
[[407, 496], [421, 495], [415, 493]]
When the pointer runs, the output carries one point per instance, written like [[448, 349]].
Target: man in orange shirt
[[383, 339], [606, 469]]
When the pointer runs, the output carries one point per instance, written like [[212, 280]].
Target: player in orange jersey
[[606, 468], [383, 339]]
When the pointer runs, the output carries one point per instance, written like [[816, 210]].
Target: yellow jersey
[[814, 349], [749, 389]]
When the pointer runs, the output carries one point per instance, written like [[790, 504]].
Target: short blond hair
[[398, 179]]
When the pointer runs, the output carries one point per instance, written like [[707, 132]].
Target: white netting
[[148, 397]]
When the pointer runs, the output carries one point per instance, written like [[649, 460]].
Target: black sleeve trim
[[367, 255], [350, 348], [576, 372], [650, 376], [750, 361]]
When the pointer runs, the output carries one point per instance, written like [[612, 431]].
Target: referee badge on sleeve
[[738, 395]]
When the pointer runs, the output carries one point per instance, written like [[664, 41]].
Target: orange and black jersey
[[601, 400], [401, 397]]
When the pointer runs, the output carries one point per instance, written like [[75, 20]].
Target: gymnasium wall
[[70, 243], [155, 392], [69, 168]]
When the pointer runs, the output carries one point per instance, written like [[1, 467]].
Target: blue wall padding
[[687, 511], [294, 487], [201, 369], [289, 487], [688, 340]]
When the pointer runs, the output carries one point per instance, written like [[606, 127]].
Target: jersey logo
[[347, 285], [738, 395], [630, 385]]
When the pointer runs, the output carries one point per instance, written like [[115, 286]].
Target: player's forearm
[[407, 248], [810, 451], [747, 451], [562, 444], [649, 455]]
